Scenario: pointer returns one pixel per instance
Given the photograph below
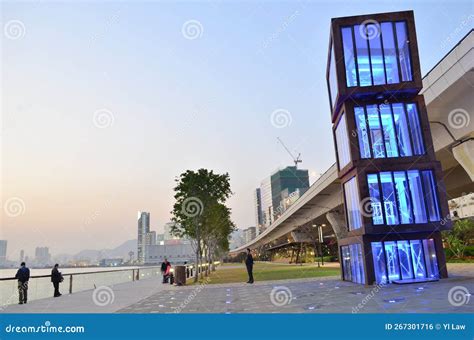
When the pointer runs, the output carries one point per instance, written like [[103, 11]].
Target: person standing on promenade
[[56, 278], [249, 265], [23, 276], [164, 266]]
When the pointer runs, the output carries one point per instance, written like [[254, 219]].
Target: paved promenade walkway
[[314, 295]]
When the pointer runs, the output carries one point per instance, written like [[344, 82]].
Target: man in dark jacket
[[56, 278], [23, 276], [249, 264], [164, 266]]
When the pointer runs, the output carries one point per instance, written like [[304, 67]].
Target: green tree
[[196, 193], [461, 236]]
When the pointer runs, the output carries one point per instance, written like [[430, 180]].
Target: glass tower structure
[[394, 196]]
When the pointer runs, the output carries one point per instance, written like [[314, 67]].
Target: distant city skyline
[[105, 104]]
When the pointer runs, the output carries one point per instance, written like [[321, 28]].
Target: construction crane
[[297, 159]]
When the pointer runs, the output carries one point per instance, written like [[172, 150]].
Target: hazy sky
[[105, 103]]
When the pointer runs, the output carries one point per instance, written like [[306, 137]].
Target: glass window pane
[[357, 264], [364, 145], [365, 78], [430, 258], [374, 192], [401, 126], [376, 57], [376, 136], [404, 255], [390, 52], [417, 195], [393, 269], [332, 78], [404, 50], [352, 204], [431, 196], [388, 131], [389, 198], [415, 129], [418, 259], [404, 202], [346, 263], [378, 255], [351, 76], [342, 142]]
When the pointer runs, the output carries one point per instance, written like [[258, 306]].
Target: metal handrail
[[82, 273]]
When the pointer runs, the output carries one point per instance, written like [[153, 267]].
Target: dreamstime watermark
[[281, 296], [281, 118], [458, 296], [192, 207], [103, 118], [14, 207], [466, 22], [369, 29], [103, 296], [459, 118], [14, 29], [46, 328], [193, 295], [282, 28], [367, 298], [192, 29], [367, 205]]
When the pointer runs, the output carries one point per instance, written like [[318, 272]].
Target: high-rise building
[[143, 229], [249, 234], [394, 196], [258, 210], [3, 252], [277, 193], [22, 255], [42, 256], [150, 238]]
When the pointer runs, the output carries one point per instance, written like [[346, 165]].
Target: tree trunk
[[196, 268]]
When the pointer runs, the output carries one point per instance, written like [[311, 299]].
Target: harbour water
[[75, 280]]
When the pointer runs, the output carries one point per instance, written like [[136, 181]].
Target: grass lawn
[[264, 272]]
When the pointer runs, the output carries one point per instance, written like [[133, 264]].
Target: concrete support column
[[337, 221]]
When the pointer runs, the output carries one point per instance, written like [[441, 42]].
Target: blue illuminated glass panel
[[401, 126], [363, 63], [393, 269], [390, 53], [388, 131], [374, 192], [376, 56], [378, 255], [351, 194], [385, 131], [357, 263], [403, 195], [418, 198], [349, 59], [417, 259], [342, 142], [362, 132], [389, 198], [414, 259], [415, 128], [332, 78], [404, 50], [431, 260], [404, 254], [376, 134], [346, 263], [408, 197], [431, 196], [352, 263]]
